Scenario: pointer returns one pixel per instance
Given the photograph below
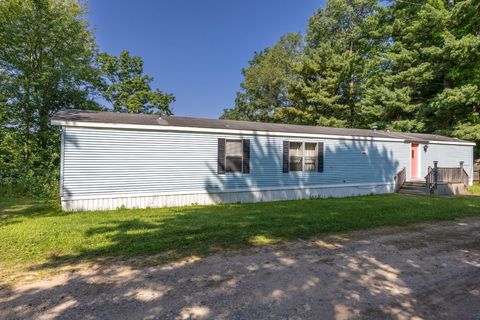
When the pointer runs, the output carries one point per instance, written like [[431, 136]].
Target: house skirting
[[112, 202], [450, 188]]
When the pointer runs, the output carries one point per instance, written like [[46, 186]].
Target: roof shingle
[[72, 115]]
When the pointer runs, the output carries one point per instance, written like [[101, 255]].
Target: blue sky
[[196, 49]]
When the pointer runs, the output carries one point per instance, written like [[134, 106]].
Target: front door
[[414, 161]]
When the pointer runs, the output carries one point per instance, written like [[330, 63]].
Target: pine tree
[[427, 79], [340, 42]]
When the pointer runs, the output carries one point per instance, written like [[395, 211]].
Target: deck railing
[[400, 178], [430, 180], [446, 175]]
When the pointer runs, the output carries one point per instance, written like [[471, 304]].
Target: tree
[[341, 41], [128, 89], [320, 81], [428, 80], [265, 89], [454, 110], [47, 62]]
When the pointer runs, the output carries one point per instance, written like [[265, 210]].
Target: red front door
[[414, 161]]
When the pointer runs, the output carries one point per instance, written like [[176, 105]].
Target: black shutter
[[286, 151], [246, 156], [320, 156], [221, 156]]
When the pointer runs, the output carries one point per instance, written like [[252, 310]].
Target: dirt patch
[[429, 271]]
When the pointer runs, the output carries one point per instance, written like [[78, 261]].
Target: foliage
[[41, 181], [265, 91], [32, 235], [128, 88], [406, 66], [47, 62], [475, 188], [340, 43], [433, 71]]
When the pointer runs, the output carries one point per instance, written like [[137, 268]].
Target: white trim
[[460, 143], [419, 164], [234, 131], [322, 186], [224, 197], [62, 155], [213, 130]]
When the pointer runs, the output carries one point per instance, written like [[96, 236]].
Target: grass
[[475, 189], [34, 236]]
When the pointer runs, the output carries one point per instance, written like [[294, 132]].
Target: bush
[[33, 183], [38, 175]]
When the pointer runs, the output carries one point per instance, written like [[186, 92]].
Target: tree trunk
[[27, 113], [43, 125], [447, 83], [350, 90]]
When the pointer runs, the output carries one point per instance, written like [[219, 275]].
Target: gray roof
[[149, 119]]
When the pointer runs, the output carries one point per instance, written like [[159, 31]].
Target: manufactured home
[[111, 160]]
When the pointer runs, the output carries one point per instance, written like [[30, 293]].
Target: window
[[296, 156], [233, 155], [303, 156], [310, 156]]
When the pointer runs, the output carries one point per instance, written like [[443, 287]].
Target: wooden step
[[418, 188], [413, 187], [413, 192], [414, 183]]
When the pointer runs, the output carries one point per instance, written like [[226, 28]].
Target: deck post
[[463, 175], [435, 174]]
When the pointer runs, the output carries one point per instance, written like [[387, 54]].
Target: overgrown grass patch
[[475, 189], [33, 235]]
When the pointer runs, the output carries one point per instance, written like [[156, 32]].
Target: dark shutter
[[221, 156], [320, 156], [246, 156], [286, 151]]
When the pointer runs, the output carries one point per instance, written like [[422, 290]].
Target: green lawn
[[33, 236], [475, 189]]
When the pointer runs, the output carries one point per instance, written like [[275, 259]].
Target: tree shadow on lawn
[[369, 277], [165, 235], [16, 209]]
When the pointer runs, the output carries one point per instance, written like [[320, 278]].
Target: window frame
[[241, 156], [290, 156], [303, 143], [315, 168]]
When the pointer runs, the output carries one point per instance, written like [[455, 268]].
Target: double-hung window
[[310, 156], [302, 156], [296, 156], [233, 155]]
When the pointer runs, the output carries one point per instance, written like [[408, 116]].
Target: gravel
[[428, 271]]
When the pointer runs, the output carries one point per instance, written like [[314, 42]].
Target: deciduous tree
[[47, 62], [128, 88]]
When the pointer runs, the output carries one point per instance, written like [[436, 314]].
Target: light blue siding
[[117, 162], [448, 156]]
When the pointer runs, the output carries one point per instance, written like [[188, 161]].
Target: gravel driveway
[[417, 272]]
